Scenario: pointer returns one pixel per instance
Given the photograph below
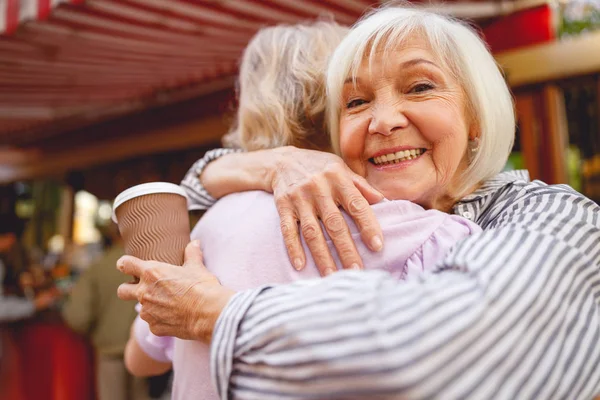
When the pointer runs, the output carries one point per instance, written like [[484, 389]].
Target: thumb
[[193, 255], [370, 194]]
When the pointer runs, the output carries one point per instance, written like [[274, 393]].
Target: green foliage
[[585, 18]]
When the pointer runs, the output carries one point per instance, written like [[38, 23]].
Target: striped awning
[[61, 60]]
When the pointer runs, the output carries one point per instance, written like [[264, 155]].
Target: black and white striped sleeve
[[198, 197], [513, 312]]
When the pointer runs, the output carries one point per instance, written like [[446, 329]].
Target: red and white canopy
[[63, 59], [74, 60], [13, 12]]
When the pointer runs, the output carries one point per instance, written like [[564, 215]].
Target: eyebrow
[[417, 61], [405, 64]]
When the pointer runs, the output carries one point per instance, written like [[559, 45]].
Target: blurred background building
[[99, 95]]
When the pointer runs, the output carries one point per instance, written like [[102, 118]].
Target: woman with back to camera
[[277, 71], [511, 312]]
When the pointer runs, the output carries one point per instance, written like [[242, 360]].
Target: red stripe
[[231, 13], [108, 76], [77, 78], [128, 21], [282, 8], [108, 73], [116, 69], [187, 18], [50, 43], [12, 16], [337, 8], [332, 8], [76, 61], [80, 79], [102, 41], [161, 36], [43, 9], [116, 58]]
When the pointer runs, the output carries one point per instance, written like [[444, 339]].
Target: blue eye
[[355, 103], [421, 87]]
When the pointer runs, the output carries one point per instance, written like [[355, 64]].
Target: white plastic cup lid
[[144, 189]]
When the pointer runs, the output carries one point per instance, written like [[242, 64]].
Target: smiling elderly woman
[[417, 106]]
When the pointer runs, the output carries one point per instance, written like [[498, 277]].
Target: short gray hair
[[458, 46]]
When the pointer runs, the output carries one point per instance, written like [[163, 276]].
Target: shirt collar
[[492, 185], [477, 201]]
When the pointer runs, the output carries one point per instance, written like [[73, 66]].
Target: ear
[[474, 130]]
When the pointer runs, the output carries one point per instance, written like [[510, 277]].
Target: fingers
[[131, 266], [306, 190], [193, 255], [315, 240], [369, 193], [338, 231], [289, 231], [358, 208], [127, 291]]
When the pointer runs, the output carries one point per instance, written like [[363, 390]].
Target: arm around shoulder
[[224, 171], [510, 313]]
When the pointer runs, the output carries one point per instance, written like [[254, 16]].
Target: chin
[[413, 194]]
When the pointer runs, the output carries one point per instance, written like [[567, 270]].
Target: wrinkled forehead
[[386, 50]]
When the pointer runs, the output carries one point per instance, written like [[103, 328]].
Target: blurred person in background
[[94, 310], [14, 308]]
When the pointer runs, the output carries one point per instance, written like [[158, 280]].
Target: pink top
[[243, 247]]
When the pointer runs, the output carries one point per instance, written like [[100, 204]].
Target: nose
[[386, 119]]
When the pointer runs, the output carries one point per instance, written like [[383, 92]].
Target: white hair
[[462, 52]]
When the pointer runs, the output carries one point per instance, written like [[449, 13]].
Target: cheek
[[442, 121], [352, 141], [445, 128]]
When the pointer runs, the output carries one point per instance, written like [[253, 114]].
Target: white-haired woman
[[511, 312]]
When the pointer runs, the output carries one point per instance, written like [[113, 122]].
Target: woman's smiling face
[[404, 127]]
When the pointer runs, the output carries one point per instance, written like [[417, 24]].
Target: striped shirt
[[198, 197], [512, 312]]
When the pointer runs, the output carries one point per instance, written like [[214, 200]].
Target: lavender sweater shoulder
[[243, 247]]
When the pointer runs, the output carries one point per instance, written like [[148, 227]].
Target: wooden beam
[[89, 116], [529, 128], [188, 135], [552, 61], [557, 134]]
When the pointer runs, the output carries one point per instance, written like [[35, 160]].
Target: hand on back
[[310, 186]]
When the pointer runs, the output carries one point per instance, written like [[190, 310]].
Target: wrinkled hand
[[310, 186], [184, 302]]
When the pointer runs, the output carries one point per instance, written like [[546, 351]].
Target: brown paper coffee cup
[[153, 221]]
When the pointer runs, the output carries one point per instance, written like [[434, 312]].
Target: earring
[[473, 148]]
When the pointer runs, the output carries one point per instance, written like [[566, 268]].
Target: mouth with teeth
[[397, 157]]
